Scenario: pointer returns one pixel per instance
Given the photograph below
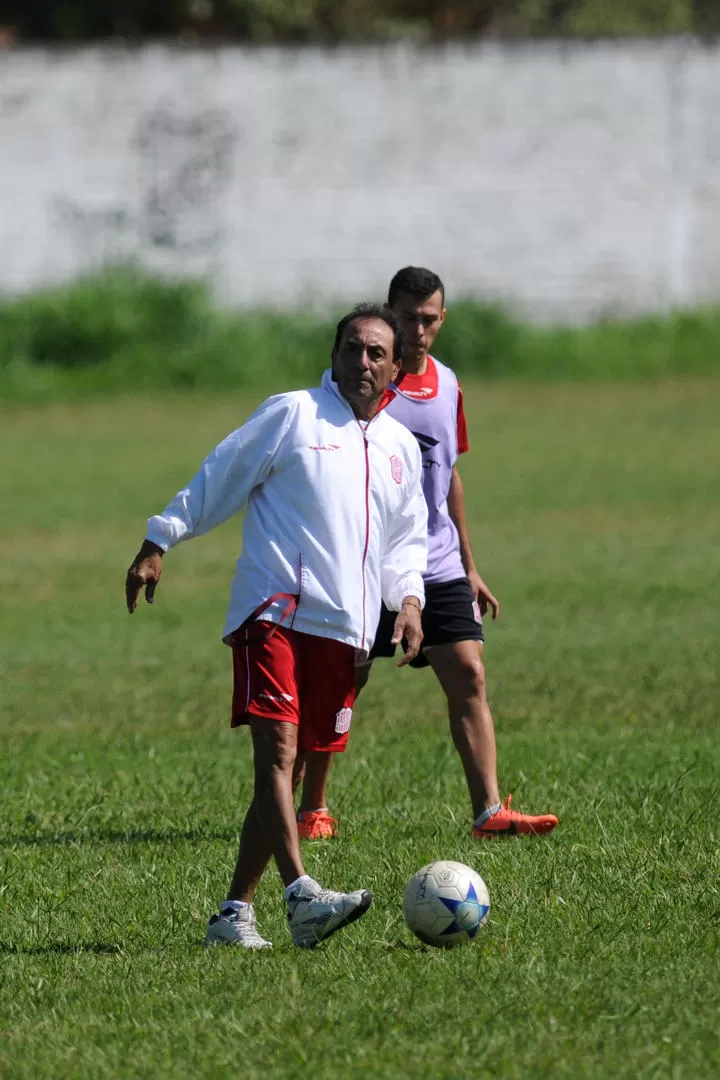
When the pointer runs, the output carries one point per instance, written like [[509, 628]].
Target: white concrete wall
[[572, 181]]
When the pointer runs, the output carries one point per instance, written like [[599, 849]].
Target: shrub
[[127, 331]]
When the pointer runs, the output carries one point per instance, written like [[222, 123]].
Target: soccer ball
[[446, 903]]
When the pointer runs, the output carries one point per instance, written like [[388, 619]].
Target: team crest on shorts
[[343, 720], [476, 612], [396, 468]]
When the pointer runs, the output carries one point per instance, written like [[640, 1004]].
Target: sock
[[490, 812], [305, 879], [229, 907], [317, 810]]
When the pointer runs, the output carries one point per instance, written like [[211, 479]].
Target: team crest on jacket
[[343, 720], [396, 468]]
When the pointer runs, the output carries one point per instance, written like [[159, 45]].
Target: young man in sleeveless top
[[429, 402]]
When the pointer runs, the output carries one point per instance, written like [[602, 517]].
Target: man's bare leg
[[270, 828], [461, 672], [316, 772]]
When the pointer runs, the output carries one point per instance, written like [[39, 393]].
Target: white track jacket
[[335, 514]]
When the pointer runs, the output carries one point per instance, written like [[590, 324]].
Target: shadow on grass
[[117, 836], [60, 948]]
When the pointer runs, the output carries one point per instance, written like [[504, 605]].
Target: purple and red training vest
[[430, 405]]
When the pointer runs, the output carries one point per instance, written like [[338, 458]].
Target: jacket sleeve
[[223, 484], [405, 558]]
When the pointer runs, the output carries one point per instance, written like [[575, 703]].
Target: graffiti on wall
[[184, 166]]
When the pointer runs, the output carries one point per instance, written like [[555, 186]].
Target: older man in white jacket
[[336, 522]]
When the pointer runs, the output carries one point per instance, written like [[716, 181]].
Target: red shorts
[[283, 674]]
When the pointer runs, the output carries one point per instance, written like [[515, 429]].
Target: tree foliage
[[351, 20]]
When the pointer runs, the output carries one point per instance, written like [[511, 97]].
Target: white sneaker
[[236, 928], [315, 913]]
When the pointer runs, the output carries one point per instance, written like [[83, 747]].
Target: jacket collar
[[329, 384]]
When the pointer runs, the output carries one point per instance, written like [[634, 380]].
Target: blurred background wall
[[571, 180]]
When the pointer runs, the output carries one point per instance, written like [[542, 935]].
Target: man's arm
[[218, 490], [456, 509], [225, 479], [405, 562]]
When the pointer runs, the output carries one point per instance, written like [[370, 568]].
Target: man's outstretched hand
[[144, 573], [409, 626]]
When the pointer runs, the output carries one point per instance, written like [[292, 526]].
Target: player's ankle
[[303, 882], [487, 813]]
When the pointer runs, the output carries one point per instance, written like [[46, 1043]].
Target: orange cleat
[[316, 825], [507, 822]]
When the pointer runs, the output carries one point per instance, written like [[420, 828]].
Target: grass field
[[595, 516]]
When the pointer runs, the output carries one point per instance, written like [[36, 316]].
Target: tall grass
[[126, 331]]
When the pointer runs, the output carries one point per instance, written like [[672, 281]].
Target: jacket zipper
[[367, 528]]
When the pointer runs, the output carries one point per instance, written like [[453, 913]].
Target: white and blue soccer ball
[[446, 903]]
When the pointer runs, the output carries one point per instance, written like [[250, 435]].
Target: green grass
[[595, 515], [125, 332]]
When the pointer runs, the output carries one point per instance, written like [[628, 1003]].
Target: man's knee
[[274, 745], [461, 672], [472, 678]]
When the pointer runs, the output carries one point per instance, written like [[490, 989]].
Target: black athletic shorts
[[451, 613]]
